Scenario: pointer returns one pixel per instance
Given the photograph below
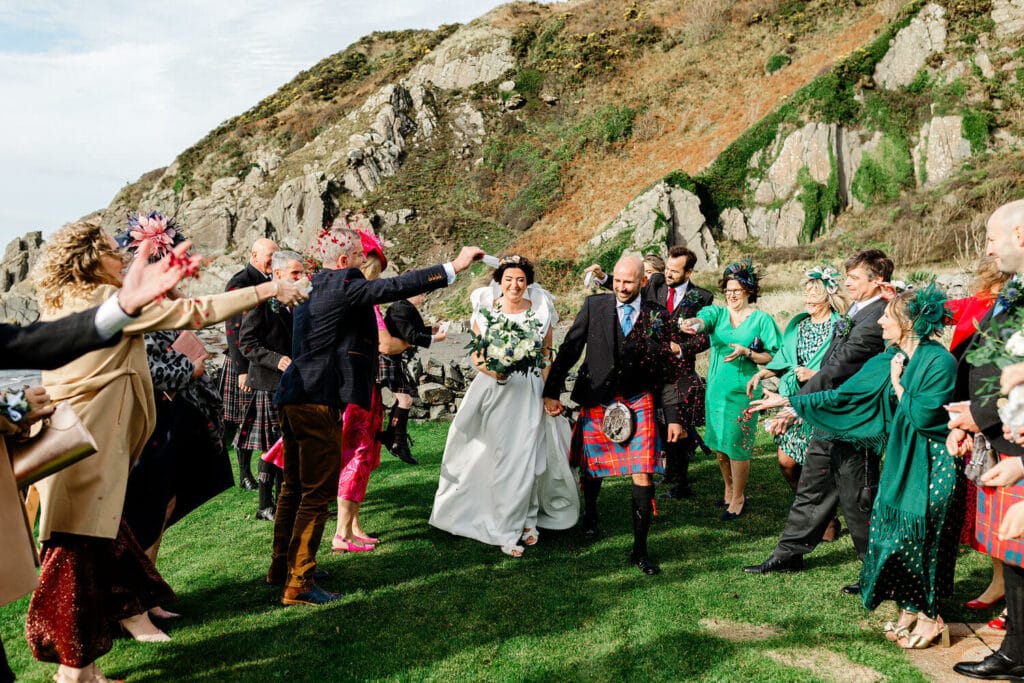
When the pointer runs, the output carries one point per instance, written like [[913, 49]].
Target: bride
[[505, 468]]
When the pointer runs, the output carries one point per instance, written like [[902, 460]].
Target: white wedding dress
[[506, 466]]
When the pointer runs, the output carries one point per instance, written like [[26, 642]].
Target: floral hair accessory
[[154, 227], [371, 245], [742, 271], [513, 260], [928, 311], [828, 276], [891, 290]]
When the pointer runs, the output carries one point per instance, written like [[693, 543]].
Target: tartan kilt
[[261, 426], [992, 505], [393, 373], [236, 402], [597, 456]]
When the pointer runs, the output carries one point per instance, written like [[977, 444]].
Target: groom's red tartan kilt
[[992, 505], [597, 456]]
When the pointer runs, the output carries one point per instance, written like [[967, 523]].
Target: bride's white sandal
[[512, 550], [530, 536]]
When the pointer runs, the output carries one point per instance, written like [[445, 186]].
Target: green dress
[[911, 543], [803, 345], [726, 428]]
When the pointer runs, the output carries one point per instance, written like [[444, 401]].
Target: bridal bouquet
[[508, 347]]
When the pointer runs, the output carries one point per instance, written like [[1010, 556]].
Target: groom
[[621, 364]]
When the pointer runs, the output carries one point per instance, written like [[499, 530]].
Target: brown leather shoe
[[832, 531]]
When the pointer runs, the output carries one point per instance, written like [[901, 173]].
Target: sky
[[94, 94]]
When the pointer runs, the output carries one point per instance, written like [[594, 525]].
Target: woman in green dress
[[803, 347], [896, 401], [741, 338]]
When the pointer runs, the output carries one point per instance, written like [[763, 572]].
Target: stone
[[436, 411], [434, 371], [940, 151], [506, 86], [1008, 16], [513, 102], [434, 394], [690, 228], [734, 225], [982, 61], [418, 412], [548, 98], [298, 210], [454, 379], [811, 146], [910, 49], [467, 126], [476, 53], [19, 257]]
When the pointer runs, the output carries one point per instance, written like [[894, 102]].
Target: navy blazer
[[249, 276], [334, 335], [49, 345]]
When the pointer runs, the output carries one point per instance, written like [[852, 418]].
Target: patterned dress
[[810, 338]]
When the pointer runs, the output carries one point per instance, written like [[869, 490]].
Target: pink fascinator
[[371, 245]]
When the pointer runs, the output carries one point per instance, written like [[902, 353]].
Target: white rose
[[525, 347], [496, 351], [1015, 344], [1012, 412]]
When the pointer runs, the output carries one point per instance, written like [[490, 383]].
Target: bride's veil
[[542, 303]]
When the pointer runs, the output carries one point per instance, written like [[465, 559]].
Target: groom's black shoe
[[995, 667], [852, 589], [590, 530], [777, 565], [644, 564]]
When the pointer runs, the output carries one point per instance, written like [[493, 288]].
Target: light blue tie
[[627, 320]]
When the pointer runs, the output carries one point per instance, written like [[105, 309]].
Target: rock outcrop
[[1008, 16], [911, 48], [940, 151]]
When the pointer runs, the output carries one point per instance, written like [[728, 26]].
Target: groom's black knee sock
[[643, 511], [591, 487]]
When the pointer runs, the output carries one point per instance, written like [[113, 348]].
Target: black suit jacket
[[49, 345], [264, 338], [609, 367], [979, 381], [247, 277], [846, 353], [405, 322], [334, 335]]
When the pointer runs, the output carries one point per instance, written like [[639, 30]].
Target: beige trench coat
[[17, 561], [112, 392]]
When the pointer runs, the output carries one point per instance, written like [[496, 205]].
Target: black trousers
[[833, 472], [1013, 643]]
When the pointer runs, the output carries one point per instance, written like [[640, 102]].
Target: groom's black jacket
[[612, 367]]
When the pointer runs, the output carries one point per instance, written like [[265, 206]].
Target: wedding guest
[[836, 471], [237, 396], [1005, 482], [682, 298], [48, 345], [627, 358], [334, 352], [499, 444], [360, 437], [742, 337], [653, 263], [895, 403], [803, 346], [404, 323], [967, 314], [265, 339], [93, 570]]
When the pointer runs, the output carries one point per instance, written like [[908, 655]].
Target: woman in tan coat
[[93, 571]]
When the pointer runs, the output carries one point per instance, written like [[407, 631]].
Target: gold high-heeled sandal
[[894, 630], [916, 641]]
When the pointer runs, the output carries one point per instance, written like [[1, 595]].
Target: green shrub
[[607, 253], [610, 124], [820, 202], [776, 62], [528, 82], [977, 126], [883, 172]]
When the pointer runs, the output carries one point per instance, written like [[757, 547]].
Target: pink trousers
[[360, 449]]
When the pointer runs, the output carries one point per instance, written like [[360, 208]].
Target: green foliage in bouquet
[[508, 347]]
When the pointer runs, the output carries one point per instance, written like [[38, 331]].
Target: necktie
[[853, 309], [627, 320], [671, 299], [999, 307]]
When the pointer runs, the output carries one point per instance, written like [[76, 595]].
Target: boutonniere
[[690, 299], [1011, 294], [843, 325], [275, 305], [14, 406]]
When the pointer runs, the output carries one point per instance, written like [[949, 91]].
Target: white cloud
[[96, 94]]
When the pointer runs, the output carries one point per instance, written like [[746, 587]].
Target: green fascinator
[[928, 311]]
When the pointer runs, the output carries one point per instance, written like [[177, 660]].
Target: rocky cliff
[[574, 132]]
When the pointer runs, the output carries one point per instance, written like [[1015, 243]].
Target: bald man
[[1005, 240], [624, 363], [235, 393]]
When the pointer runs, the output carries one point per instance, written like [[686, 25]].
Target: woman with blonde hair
[[803, 347], [93, 571]]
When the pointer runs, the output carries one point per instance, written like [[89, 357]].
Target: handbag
[[61, 443], [618, 423], [983, 458]]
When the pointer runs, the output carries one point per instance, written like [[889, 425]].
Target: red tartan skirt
[[597, 456], [992, 505]]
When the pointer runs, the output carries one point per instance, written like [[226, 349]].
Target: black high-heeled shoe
[[727, 516]]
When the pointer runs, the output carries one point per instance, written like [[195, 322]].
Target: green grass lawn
[[427, 605]]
